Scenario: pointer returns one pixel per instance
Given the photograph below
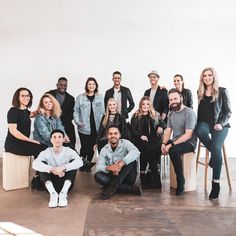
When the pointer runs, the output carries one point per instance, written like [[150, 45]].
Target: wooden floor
[[156, 212]]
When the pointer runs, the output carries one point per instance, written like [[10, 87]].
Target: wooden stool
[[206, 163], [16, 170], [189, 169]]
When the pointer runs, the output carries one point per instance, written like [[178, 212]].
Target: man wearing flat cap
[[158, 95]]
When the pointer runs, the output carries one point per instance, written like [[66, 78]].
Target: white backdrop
[[41, 40]]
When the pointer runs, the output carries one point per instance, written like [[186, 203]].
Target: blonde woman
[[112, 117], [145, 131], [213, 115], [45, 123]]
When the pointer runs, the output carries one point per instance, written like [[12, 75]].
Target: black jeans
[[176, 152], [70, 131], [26, 149], [127, 176], [57, 181], [87, 143], [150, 154]]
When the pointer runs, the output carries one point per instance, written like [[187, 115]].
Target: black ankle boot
[[180, 185], [214, 191]]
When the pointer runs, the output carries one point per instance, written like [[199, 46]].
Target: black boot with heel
[[214, 191]]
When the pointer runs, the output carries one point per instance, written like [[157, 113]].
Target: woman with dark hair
[[88, 112], [112, 117], [18, 139], [213, 115], [186, 93], [145, 130]]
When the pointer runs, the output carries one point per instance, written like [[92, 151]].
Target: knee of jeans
[[172, 151], [216, 150], [101, 178]]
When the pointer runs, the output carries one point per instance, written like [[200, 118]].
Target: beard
[[176, 107]]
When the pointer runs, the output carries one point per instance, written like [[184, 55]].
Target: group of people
[[164, 123]]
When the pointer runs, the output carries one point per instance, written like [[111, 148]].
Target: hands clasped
[[59, 170]]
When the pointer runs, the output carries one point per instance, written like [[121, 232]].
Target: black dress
[[14, 145]]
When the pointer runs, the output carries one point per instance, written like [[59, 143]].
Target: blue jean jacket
[[43, 126], [82, 112]]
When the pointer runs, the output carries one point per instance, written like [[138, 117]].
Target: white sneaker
[[62, 199], [53, 200]]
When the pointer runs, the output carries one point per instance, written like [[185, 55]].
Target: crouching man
[[116, 169], [57, 167]]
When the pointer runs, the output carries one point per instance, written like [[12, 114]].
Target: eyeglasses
[[25, 95]]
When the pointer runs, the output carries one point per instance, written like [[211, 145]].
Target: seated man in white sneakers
[[116, 169], [57, 167]]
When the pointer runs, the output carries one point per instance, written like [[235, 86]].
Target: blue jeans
[[213, 144]]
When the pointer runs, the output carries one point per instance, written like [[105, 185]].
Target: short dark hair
[[173, 90], [86, 84], [62, 78], [16, 98], [57, 131], [116, 72], [113, 126]]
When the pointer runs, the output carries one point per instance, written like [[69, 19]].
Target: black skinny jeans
[[176, 152], [87, 143], [127, 176], [57, 181]]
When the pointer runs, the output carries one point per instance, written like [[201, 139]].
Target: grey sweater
[[53, 160]]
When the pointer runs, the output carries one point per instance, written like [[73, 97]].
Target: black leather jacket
[[187, 98], [120, 122], [125, 96], [138, 123], [161, 101], [222, 110]]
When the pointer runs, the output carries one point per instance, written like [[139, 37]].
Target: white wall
[[41, 40]]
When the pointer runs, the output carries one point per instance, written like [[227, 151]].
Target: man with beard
[[116, 169], [67, 103], [181, 122]]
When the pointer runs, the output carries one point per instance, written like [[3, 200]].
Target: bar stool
[[206, 163]]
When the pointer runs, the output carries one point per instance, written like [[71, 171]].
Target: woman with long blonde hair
[[146, 129], [111, 117], [213, 114], [45, 123]]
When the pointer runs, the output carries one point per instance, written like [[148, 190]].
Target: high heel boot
[[214, 191]]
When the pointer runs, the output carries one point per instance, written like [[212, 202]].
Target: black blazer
[[67, 107], [125, 96], [161, 101]]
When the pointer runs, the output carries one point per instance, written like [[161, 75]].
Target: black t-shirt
[[206, 111], [92, 120], [22, 119]]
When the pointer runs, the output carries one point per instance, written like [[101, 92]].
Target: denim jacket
[[82, 112], [43, 126], [125, 151]]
